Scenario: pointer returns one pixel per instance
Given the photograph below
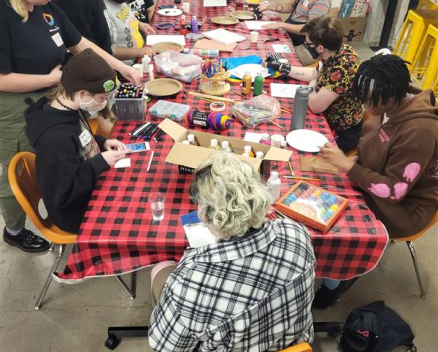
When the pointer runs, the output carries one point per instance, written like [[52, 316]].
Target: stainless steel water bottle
[[300, 107]]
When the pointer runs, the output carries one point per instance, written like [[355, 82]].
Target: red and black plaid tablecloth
[[118, 234]]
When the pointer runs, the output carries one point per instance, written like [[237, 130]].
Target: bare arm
[[123, 53], [282, 8], [306, 74], [292, 28], [151, 12], [22, 83], [321, 100], [128, 72]]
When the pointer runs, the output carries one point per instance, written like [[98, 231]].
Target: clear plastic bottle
[[151, 71], [274, 185], [246, 83], [247, 149], [226, 147], [214, 144], [192, 140], [265, 139], [145, 62], [259, 155]]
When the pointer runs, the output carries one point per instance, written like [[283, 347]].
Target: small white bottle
[[245, 154], [186, 142], [151, 72], [274, 185], [248, 150], [265, 139], [145, 62], [214, 144], [259, 155], [226, 147]]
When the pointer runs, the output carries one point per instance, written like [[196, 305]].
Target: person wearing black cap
[[69, 158]]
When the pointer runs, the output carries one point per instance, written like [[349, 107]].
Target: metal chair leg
[[58, 258], [52, 247], [417, 269], [130, 292]]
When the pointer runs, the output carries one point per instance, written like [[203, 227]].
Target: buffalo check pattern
[[118, 234]]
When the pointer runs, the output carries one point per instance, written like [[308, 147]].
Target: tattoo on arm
[[298, 73], [279, 7]]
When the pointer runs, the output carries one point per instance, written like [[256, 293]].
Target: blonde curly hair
[[230, 195]]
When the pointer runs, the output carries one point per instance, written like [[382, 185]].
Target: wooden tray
[[242, 15], [163, 87], [166, 46], [225, 20]]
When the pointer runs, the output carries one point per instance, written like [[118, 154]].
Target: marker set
[[146, 131]]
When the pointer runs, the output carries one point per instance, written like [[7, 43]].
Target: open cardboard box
[[188, 157]]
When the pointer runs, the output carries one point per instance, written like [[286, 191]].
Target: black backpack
[[375, 328]]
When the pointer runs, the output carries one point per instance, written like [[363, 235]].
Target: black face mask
[[119, 1], [311, 50]]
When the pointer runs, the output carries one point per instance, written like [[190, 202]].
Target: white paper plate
[[240, 71], [170, 12], [306, 140]]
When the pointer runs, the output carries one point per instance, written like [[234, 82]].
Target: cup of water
[[156, 201]]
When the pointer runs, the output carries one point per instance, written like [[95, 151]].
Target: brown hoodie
[[398, 166]]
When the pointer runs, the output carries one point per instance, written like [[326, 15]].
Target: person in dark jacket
[[69, 158], [88, 18]]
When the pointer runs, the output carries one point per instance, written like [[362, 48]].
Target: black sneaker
[[27, 241], [325, 297]]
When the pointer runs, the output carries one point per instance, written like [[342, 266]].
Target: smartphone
[[164, 25], [166, 6], [137, 147]]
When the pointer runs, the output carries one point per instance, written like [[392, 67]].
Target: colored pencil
[[291, 169], [302, 178], [276, 124]]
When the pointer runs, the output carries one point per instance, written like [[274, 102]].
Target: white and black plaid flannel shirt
[[248, 294]]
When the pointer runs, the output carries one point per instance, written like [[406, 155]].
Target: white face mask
[[92, 105]]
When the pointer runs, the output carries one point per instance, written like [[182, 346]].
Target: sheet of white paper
[[223, 36], [256, 25], [284, 90], [281, 48], [122, 163], [199, 235], [213, 3], [154, 39], [252, 137]]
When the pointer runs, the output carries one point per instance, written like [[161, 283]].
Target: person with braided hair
[[397, 163]]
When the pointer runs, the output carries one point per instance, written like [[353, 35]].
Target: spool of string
[[213, 120]]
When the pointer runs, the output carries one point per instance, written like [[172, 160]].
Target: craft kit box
[[312, 205], [188, 157], [353, 28]]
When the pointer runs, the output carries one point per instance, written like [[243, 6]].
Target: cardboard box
[[353, 28], [188, 157]]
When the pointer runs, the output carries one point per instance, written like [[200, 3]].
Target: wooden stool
[[412, 33], [425, 67]]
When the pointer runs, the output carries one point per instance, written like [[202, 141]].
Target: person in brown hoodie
[[397, 163]]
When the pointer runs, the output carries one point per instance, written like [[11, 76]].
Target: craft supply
[[151, 71], [194, 25], [145, 62], [202, 52], [138, 129], [247, 149], [150, 133], [265, 139], [192, 140], [183, 24], [291, 169], [300, 107], [276, 140], [139, 68], [255, 111], [217, 106], [226, 147], [246, 83], [213, 97], [214, 144], [130, 105], [276, 124], [259, 155], [258, 84], [166, 109], [158, 135], [214, 121], [150, 161], [274, 185], [302, 178], [312, 205], [254, 36], [317, 164], [147, 130]]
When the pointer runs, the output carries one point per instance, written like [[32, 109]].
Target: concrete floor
[[74, 318]]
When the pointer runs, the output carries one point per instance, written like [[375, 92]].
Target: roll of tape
[[217, 106]]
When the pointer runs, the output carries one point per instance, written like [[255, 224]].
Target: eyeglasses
[[309, 45]]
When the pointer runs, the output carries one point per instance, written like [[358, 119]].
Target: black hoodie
[[65, 177]]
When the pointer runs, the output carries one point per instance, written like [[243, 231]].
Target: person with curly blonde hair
[[250, 290]]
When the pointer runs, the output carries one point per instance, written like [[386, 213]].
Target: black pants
[[348, 139]]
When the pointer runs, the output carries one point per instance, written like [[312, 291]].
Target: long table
[[119, 236]]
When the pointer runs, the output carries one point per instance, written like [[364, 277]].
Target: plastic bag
[[260, 109]]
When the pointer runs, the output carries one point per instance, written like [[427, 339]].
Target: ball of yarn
[[218, 121]]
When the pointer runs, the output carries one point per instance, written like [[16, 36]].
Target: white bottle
[[145, 62], [259, 155], [151, 72], [248, 150], [274, 185], [186, 142], [226, 147], [214, 144]]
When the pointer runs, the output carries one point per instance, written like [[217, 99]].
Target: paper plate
[[225, 20], [166, 46], [163, 87], [306, 140], [170, 12], [243, 15], [240, 71]]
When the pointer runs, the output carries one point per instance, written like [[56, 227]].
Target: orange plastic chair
[[409, 241], [301, 347], [22, 179]]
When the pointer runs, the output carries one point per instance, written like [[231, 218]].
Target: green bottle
[[258, 84]]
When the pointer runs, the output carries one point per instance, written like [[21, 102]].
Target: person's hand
[[114, 144], [147, 51], [55, 75], [113, 156], [275, 25], [336, 157], [263, 6], [273, 63], [146, 28], [131, 74]]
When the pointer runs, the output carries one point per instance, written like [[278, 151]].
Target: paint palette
[[312, 205]]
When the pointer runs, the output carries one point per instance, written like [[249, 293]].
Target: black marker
[[158, 135]]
